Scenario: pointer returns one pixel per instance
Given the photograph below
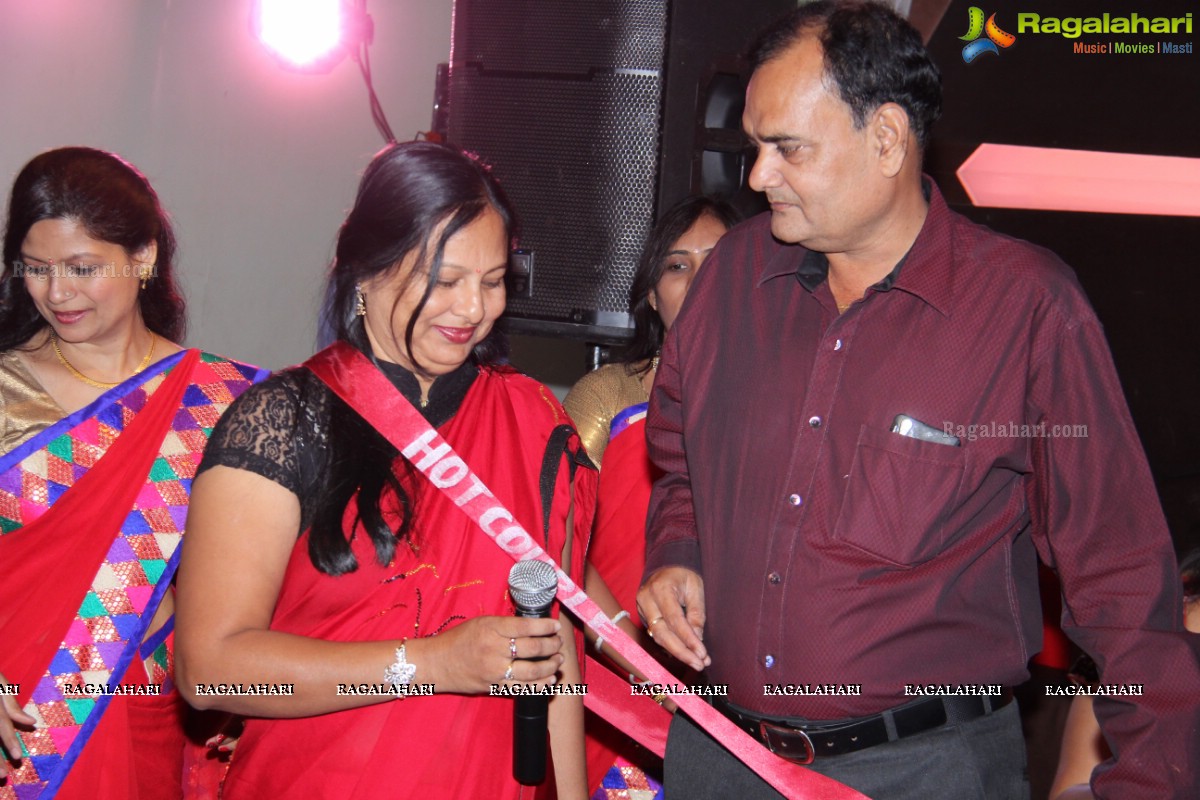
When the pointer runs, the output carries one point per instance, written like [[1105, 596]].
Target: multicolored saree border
[[132, 648], [120, 603], [114, 395], [631, 415]]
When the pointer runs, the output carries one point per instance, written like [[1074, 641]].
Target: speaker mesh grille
[[560, 35], [544, 92]]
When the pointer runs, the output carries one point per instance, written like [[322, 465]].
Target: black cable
[[377, 113], [361, 54]]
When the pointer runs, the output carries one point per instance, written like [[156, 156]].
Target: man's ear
[[892, 137]]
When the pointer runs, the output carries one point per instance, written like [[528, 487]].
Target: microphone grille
[[532, 583]]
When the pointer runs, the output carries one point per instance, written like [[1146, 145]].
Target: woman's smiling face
[[465, 302], [85, 288]]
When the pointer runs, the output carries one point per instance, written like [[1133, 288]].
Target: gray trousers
[[983, 759]]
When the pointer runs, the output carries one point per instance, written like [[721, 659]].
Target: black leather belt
[[803, 740]]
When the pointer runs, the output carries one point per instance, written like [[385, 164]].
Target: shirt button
[[837, 345], [795, 499], [814, 422], [768, 661], [774, 578]]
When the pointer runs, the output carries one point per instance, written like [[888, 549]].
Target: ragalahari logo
[[996, 38]]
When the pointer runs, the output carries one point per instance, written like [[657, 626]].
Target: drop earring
[[146, 273], [360, 303]]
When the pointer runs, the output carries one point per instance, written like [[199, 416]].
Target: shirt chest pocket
[[899, 496]]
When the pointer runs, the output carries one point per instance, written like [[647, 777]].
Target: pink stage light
[[305, 35], [1050, 179]]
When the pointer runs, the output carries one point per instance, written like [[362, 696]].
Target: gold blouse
[[598, 397], [25, 408]]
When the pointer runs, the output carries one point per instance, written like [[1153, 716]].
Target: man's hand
[[671, 601]]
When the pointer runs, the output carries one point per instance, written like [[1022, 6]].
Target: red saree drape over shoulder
[[445, 745]]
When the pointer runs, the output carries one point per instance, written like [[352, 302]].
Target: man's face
[[818, 172]]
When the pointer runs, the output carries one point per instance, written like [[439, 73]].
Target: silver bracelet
[[400, 673], [620, 615]]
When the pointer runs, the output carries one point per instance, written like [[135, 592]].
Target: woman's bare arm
[[240, 534], [1083, 749]]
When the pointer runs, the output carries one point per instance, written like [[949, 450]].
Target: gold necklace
[[99, 384]]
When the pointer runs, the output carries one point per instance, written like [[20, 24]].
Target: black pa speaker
[[594, 116]]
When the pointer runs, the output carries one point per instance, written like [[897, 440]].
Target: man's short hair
[[872, 57]]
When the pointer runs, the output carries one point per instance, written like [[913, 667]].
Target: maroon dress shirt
[[836, 553]]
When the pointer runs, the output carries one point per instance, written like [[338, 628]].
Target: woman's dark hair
[[412, 198], [114, 203], [647, 325], [872, 56]]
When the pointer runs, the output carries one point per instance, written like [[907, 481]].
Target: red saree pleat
[[618, 546], [110, 766], [618, 552]]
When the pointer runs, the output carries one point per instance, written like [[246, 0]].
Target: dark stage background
[[1139, 271]]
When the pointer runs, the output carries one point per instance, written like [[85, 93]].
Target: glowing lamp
[[310, 35]]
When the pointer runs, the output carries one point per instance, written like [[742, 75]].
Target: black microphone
[[532, 585]]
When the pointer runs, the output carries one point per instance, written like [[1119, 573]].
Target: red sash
[[365, 389]]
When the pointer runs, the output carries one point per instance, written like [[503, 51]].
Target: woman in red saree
[[609, 407], [329, 592], [104, 422]]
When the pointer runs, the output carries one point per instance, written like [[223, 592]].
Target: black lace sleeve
[[277, 429], [258, 433]]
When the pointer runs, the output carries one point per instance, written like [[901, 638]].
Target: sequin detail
[[419, 600], [552, 402], [624, 781], [476, 582]]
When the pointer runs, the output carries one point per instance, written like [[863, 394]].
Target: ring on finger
[[650, 626], [508, 673], [512, 648]]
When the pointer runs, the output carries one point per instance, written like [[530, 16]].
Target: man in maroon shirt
[[870, 414]]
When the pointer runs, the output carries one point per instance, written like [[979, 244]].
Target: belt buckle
[[765, 729]]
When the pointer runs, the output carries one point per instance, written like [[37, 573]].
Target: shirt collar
[[925, 271], [929, 264]]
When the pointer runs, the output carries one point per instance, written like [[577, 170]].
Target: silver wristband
[[400, 673]]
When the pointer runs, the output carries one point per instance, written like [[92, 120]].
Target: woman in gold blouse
[[103, 419], [609, 409]]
